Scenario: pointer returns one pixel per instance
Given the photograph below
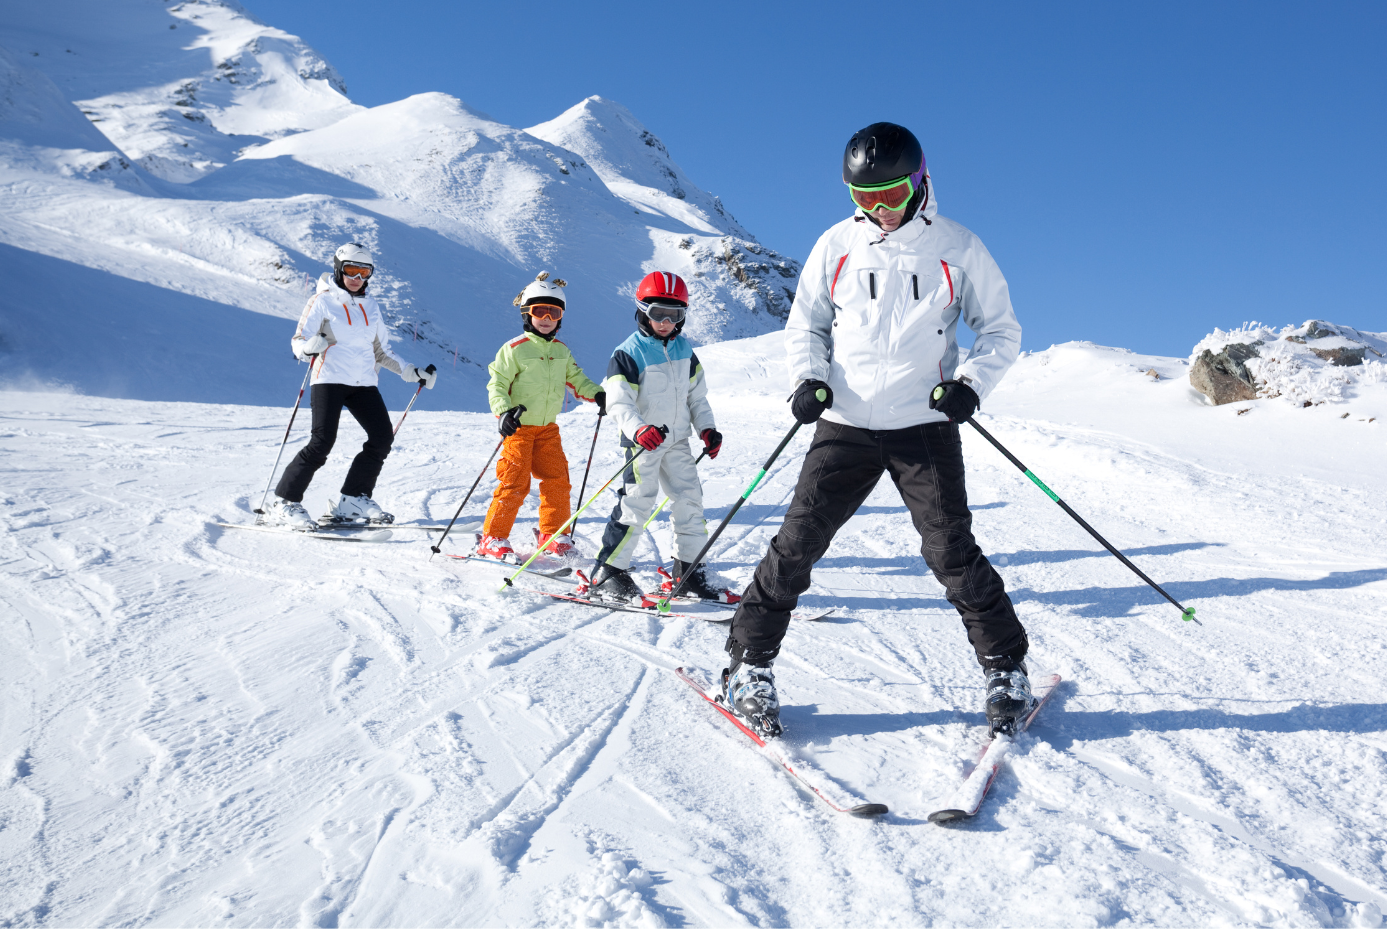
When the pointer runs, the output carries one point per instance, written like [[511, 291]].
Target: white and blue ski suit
[[656, 382]]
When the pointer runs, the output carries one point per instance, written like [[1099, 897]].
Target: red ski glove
[[712, 441], [649, 438]]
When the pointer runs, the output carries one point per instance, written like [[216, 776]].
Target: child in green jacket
[[528, 380]]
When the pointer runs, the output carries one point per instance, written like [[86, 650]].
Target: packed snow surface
[[205, 726]]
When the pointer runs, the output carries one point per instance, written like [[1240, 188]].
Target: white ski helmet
[[352, 254], [543, 289]]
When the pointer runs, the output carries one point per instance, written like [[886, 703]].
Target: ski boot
[[560, 546], [612, 583], [748, 690], [289, 514], [1009, 699], [697, 585], [495, 549], [348, 510]]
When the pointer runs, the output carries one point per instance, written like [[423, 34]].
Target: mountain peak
[[633, 162]]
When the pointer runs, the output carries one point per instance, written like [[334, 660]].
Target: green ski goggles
[[893, 195]]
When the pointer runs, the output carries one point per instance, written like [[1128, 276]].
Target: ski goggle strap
[[545, 311], [663, 312], [893, 195]]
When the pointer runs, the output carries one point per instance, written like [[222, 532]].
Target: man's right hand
[[649, 438], [809, 401], [510, 420]]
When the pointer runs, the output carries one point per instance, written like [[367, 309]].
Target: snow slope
[[280, 168], [205, 726]]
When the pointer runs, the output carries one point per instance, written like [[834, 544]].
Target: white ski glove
[[412, 375], [313, 345]]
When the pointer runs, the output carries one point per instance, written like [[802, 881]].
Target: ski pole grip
[[938, 394], [821, 395]]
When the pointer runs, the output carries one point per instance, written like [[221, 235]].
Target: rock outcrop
[[1224, 377], [1304, 364]]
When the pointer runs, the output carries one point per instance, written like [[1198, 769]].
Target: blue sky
[[1141, 172]]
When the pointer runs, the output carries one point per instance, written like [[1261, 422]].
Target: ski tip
[[945, 817], [869, 809]]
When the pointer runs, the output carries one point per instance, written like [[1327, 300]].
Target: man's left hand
[[955, 400]]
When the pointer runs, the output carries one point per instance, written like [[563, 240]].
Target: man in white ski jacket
[[874, 360], [342, 333]]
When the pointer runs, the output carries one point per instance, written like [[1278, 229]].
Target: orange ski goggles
[[361, 271], [545, 311]]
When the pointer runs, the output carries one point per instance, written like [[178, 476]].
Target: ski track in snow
[[206, 726]]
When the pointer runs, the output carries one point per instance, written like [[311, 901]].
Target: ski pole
[[260, 510], [698, 559], [429, 370], [1186, 613], [583, 489], [597, 493], [666, 500], [437, 548]]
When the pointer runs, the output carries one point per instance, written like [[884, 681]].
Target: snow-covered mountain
[[232, 164], [181, 88]]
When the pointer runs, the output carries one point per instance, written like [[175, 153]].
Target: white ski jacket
[[358, 341], [876, 315], [651, 382]]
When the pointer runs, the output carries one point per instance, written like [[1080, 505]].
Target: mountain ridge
[[460, 209]]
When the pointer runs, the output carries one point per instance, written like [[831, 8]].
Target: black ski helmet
[[880, 153]]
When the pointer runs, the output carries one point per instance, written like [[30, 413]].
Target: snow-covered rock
[[1310, 364]]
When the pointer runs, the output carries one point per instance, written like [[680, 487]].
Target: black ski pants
[[367, 407], [840, 471]]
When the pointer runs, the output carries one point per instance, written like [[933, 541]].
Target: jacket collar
[[338, 295], [873, 234]]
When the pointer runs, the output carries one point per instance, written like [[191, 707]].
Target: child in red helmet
[[654, 380]]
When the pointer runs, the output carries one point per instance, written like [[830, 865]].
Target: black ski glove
[[712, 441], [810, 399], [510, 420], [955, 400], [601, 401]]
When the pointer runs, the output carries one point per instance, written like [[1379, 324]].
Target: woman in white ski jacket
[[871, 344], [342, 333]]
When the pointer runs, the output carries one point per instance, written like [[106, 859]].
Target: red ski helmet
[[662, 287]]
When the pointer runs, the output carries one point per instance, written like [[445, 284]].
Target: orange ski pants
[[533, 450]]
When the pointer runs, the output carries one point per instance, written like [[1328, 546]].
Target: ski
[[371, 535], [554, 574], [324, 523], [967, 799], [799, 769], [807, 616], [624, 607]]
